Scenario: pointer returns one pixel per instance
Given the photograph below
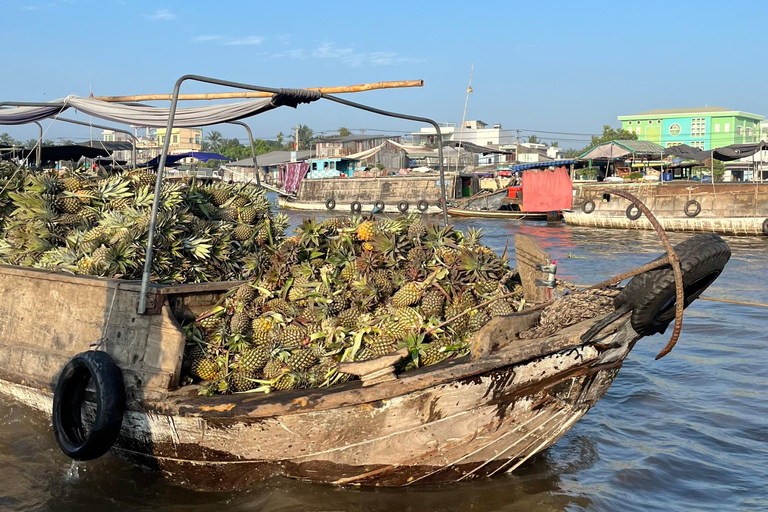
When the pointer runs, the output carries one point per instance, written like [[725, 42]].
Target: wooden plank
[[529, 253]]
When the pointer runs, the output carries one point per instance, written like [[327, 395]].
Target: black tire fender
[[652, 294], [588, 207], [379, 205], [765, 227], [99, 369], [633, 212], [356, 207], [687, 208], [422, 205], [330, 204], [403, 206]]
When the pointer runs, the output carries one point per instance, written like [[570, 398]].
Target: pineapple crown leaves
[[478, 265], [198, 248], [416, 345]]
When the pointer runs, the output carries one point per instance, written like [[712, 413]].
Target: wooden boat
[[497, 214], [475, 416], [494, 205]]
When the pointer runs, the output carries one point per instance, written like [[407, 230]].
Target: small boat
[[502, 204], [497, 214]]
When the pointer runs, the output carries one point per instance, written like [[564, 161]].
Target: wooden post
[[529, 253]]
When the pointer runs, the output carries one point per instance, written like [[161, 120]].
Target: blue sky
[[549, 66]]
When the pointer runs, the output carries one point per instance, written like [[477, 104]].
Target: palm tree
[[215, 140], [306, 135]]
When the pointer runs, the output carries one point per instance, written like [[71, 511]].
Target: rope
[[737, 302]]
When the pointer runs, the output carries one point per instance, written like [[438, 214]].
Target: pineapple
[[239, 201], [242, 381], [261, 330], [249, 215], [240, 322], [99, 256], [348, 318], [383, 345], [432, 303], [434, 353], [289, 380], [302, 359], [220, 196], [274, 368], [407, 295], [293, 336], [242, 232], [500, 308], [245, 293], [205, 369], [68, 204], [417, 231], [365, 231], [253, 360], [71, 184]]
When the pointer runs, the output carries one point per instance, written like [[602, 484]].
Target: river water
[[686, 433]]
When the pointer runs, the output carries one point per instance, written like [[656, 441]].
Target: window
[[333, 165], [698, 144], [197, 139], [673, 144], [749, 132], [175, 139], [675, 129], [658, 121], [325, 165], [698, 127], [739, 130], [717, 128], [650, 122], [190, 140], [727, 127], [314, 166]]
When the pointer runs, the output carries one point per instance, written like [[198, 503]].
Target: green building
[[702, 128]]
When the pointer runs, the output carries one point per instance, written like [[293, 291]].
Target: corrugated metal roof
[[272, 158], [622, 148]]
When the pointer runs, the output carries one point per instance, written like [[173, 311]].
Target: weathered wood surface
[[529, 254], [46, 318]]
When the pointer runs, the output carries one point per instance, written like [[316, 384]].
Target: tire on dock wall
[[687, 208], [330, 204], [588, 207]]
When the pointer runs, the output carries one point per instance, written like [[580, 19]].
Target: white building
[[475, 132]]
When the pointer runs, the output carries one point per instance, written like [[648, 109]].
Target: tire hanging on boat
[[403, 206], [765, 227], [652, 294], [633, 212], [330, 204], [96, 368], [356, 207], [379, 205], [588, 207], [687, 208], [422, 205]]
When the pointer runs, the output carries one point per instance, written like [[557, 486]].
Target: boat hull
[[483, 423], [496, 214]]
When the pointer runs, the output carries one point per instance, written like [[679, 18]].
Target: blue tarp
[[200, 155], [539, 165]]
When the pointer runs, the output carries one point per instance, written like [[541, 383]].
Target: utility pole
[[517, 150], [296, 139]]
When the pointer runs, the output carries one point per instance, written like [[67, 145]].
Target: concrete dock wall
[[390, 189], [725, 207]]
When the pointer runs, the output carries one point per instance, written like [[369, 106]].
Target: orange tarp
[[547, 191]]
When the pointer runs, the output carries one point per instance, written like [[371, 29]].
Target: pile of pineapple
[[350, 290], [84, 223]]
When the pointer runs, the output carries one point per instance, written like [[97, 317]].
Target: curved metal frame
[[253, 149], [142, 307]]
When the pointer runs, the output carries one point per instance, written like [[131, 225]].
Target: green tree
[[609, 134], [280, 139], [533, 139], [343, 132], [8, 140], [215, 140], [65, 142], [555, 144]]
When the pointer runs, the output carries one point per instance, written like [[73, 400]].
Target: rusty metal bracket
[[154, 305], [674, 261]]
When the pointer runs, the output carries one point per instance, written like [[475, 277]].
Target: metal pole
[[38, 161], [253, 149]]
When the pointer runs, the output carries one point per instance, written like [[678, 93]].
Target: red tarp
[[293, 173], [547, 191]]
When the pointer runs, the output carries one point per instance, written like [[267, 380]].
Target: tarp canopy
[[540, 165], [200, 155], [724, 154], [109, 145], [475, 148], [547, 191], [73, 152], [141, 115], [620, 148]]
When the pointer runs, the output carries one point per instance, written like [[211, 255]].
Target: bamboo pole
[[259, 94]]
